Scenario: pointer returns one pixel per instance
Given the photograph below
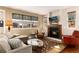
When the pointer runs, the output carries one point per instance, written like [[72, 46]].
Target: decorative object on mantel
[[71, 19], [8, 23]]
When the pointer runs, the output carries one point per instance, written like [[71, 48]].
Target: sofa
[[72, 40], [6, 42], [24, 49]]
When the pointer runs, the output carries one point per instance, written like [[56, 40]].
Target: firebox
[[55, 31]]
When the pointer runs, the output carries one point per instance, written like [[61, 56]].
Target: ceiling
[[42, 10]]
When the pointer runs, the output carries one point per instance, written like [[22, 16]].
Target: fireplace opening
[[55, 31]]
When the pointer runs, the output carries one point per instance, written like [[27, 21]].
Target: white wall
[[63, 19]]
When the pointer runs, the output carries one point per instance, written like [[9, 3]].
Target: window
[[34, 18], [15, 16], [24, 21], [71, 19]]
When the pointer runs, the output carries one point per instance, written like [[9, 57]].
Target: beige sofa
[[24, 49], [6, 48]]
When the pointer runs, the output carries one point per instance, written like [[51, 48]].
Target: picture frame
[[54, 19]]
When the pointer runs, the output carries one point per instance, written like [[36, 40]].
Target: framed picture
[[54, 19], [71, 19]]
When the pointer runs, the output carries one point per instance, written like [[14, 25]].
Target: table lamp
[[8, 23]]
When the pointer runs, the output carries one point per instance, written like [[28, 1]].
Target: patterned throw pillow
[[15, 43]]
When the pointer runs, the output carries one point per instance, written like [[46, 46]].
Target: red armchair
[[72, 39]]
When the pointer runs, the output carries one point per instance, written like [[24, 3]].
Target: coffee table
[[35, 42]]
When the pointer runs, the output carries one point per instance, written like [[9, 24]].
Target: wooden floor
[[68, 49], [71, 49]]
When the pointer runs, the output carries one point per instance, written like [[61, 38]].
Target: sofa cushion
[[15, 43], [2, 49], [4, 44]]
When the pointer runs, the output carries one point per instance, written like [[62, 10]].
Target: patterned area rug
[[50, 46]]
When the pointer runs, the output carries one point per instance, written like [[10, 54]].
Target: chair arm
[[24, 49], [69, 36], [68, 39], [66, 35]]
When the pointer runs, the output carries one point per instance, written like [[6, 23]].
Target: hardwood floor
[[68, 49], [71, 49]]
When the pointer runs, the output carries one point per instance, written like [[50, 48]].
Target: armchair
[[72, 39]]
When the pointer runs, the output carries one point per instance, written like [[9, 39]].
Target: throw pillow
[[15, 43], [4, 44]]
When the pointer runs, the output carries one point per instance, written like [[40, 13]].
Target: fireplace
[[55, 31]]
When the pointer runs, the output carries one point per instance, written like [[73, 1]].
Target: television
[[53, 19]]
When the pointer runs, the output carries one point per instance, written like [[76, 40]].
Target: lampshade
[[8, 23]]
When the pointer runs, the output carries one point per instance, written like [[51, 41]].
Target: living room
[[41, 29]]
